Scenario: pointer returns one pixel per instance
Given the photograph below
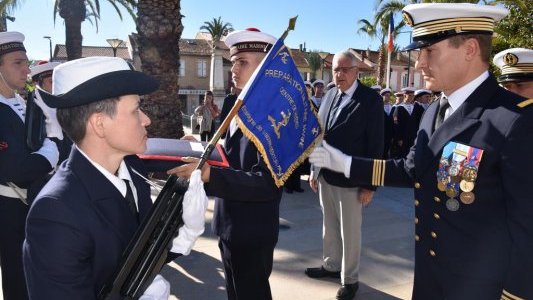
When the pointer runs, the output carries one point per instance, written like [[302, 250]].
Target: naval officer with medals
[[469, 166]]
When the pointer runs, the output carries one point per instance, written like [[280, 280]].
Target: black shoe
[[299, 190], [321, 272], [347, 291]]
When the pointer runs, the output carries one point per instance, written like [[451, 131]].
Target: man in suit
[[246, 216], [516, 70], [388, 121], [469, 166], [353, 118], [82, 221], [20, 167]]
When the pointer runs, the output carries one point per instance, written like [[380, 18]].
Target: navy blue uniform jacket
[[484, 249], [77, 230], [247, 204]]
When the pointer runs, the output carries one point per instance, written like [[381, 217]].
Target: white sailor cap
[[422, 92], [249, 40], [408, 89], [318, 81], [43, 69], [516, 64], [434, 22], [398, 93], [308, 83], [11, 41], [376, 87], [86, 80], [384, 91]]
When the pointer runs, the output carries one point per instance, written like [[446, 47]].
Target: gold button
[[417, 202], [437, 199], [432, 253], [417, 238], [433, 235], [417, 185], [436, 216], [416, 220]]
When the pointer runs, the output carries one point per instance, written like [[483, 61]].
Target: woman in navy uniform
[[473, 238]]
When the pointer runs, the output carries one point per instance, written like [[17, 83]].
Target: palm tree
[[159, 27], [74, 12], [217, 28], [314, 61], [379, 29]]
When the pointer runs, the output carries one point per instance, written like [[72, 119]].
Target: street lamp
[[323, 56], [114, 43], [50, 40], [409, 56]]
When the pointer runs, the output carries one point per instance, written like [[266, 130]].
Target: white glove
[[159, 289], [49, 151], [194, 207], [53, 129], [328, 157]]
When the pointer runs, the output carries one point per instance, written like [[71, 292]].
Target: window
[[405, 80], [202, 68], [182, 68]]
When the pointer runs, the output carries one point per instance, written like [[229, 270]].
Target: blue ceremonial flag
[[277, 114]]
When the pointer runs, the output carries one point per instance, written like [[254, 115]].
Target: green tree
[[74, 12], [515, 29], [217, 29], [159, 27], [314, 61]]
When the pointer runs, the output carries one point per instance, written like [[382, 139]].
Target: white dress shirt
[[457, 98]]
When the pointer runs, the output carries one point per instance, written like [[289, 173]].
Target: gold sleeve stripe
[[510, 296], [378, 172], [525, 103], [505, 298], [383, 162]]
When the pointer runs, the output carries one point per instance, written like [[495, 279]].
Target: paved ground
[[386, 263]]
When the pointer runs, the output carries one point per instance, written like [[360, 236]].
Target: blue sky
[[326, 27]]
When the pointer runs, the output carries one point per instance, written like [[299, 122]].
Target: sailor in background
[[388, 129], [20, 167], [470, 166], [41, 75], [516, 67]]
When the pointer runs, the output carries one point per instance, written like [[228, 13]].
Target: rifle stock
[[148, 250]]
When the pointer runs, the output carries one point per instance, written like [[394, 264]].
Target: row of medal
[[457, 174]]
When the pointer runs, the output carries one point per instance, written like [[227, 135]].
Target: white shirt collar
[[117, 181], [459, 96], [349, 92], [17, 104]]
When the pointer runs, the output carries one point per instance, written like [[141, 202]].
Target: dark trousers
[[12, 223], [247, 268], [206, 136]]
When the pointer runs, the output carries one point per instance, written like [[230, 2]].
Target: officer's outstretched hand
[[159, 289], [329, 157], [194, 207]]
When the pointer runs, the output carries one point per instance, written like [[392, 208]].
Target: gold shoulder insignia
[[525, 103]]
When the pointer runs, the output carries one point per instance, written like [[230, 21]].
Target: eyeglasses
[[343, 70]]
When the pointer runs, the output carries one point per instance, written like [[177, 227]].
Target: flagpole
[[388, 69], [225, 124]]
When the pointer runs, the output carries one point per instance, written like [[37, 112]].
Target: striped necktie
[[333, 110]]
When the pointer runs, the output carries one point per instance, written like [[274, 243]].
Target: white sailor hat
[[330, 85], [434, 22], [308, 83], [318, 81], [384, 91], [249, 40], [43, 69], [11, 41], [516, 64], [422, 92], [376, 87], [85, 80], [408, 89]]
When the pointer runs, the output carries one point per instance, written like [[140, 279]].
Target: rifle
[[35, 127], [148, 250]]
